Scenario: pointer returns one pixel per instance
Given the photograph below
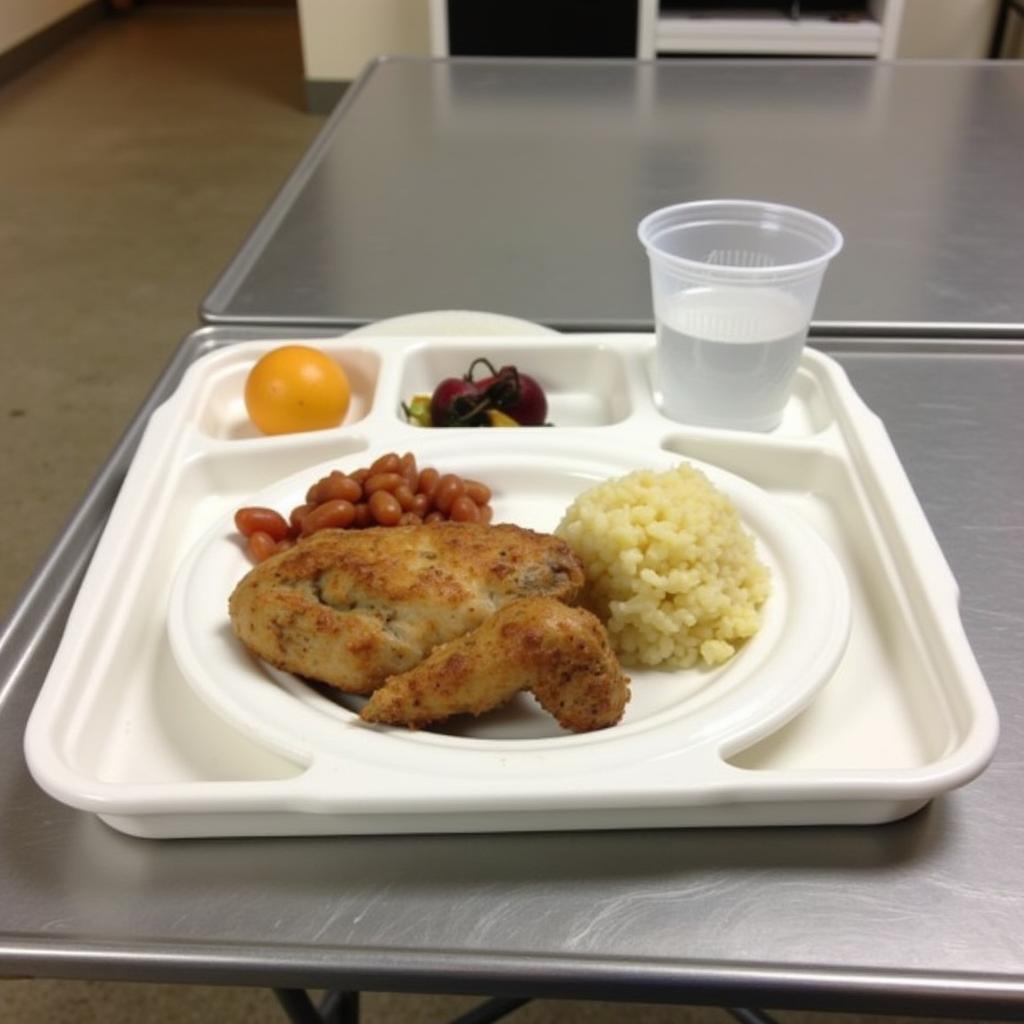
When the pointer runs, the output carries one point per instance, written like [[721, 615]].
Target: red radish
[[515, 393], [458, 402]]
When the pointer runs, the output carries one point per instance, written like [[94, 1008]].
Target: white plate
[[677, 727], [451, 322]]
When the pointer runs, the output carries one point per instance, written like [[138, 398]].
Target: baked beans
[[393, 491]]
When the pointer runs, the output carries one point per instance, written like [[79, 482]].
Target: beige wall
[[20, 19], [340, 36], [954, 29]]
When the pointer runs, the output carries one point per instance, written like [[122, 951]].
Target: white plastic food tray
[[118, 730]]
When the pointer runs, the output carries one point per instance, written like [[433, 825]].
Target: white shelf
[[767, 33], [763, 32]]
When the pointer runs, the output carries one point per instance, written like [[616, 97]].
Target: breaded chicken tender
[[558, 653], [352, 607]]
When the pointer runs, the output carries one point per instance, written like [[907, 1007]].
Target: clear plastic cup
[[734, 285]]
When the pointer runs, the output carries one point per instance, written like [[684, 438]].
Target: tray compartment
[[584, 387], [218, 404], [214, 472], [185, 743], [808, 411], [791, 463], [911, 725], [134, 719], [886, 708]]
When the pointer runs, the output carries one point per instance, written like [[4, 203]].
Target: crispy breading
[[352, 607], [560, 654]]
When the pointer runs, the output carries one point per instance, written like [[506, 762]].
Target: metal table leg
[[748, 1016], [340, 1007]]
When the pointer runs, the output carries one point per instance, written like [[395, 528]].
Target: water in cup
[[734, 283], [727, 355]]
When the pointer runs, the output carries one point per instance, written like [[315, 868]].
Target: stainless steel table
[[923, 916], [516, 187], [429, 188]]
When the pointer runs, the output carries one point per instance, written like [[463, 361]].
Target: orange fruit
[[296, 388]]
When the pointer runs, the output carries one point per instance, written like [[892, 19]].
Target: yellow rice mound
[[670, 570]]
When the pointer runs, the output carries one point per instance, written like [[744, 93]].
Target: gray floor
[[134, 161], [72, 1002]]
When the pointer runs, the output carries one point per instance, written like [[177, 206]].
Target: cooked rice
[[670, 569]]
